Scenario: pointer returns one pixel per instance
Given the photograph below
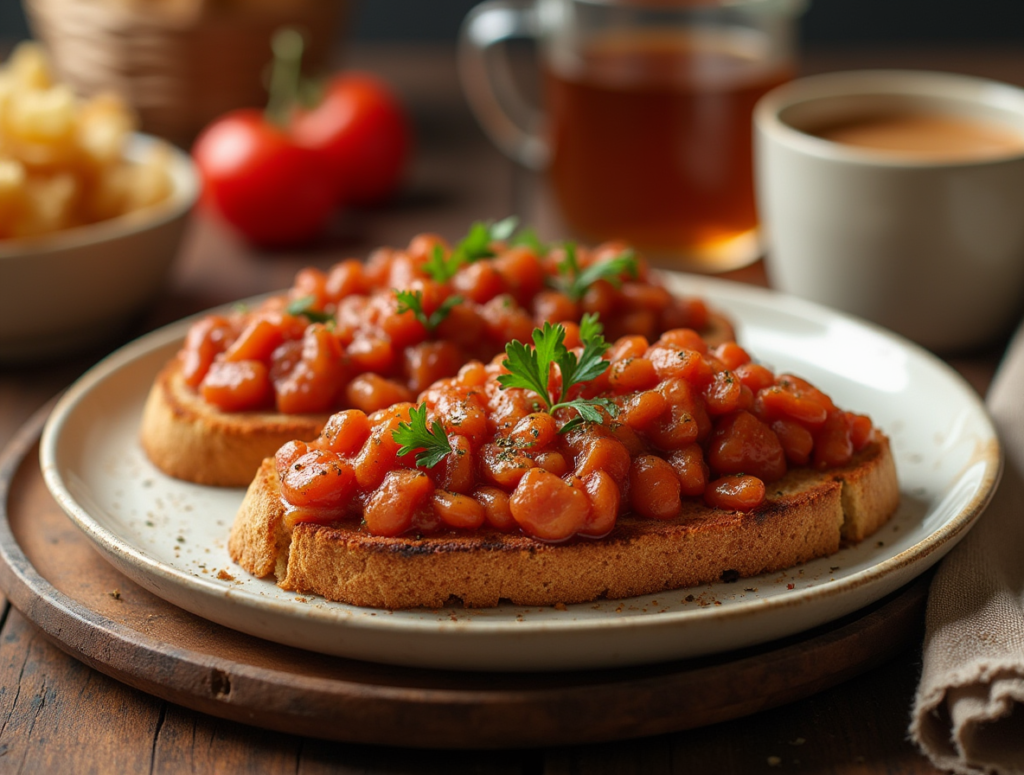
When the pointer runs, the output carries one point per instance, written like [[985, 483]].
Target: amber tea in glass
[[645, 133]]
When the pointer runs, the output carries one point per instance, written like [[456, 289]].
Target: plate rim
[[939, 539]]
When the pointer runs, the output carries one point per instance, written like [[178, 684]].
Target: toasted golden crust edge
[[188, 439], [803, 519]]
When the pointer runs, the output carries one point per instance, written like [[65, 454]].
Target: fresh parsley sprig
[[530, 368], [412, 301], [442, 266], [432, 443], [476, 245], [574, 281], [304, 306]]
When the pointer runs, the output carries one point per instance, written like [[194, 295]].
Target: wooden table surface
[[57, 715]]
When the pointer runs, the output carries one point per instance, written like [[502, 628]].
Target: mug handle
[[509, 120]]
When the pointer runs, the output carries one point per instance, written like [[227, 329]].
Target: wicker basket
[[178, 63]]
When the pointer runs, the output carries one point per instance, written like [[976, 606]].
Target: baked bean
[[537, 430], [672, 362], [479, 282], [794, 398], [553, 307], [741, 443], [345, 432], [427, 362], [684, 339], [628, 347], [317, 379], [731, 355], [258, 341], [522, 272], [860, 430], [553, 462], [605, 499], [643, 408], [654, 488], [458, 511], [458, 470], [371, 355], [370, 392], [599, 299], [392, 508], [725, 394], [689, 465], [631, 374], [378, 454], [310, 283], [237, 386], [503, 466], [832, 444], [496, 508], [674, 430], [604, 454], [641, 296], [345, 279], [318, 479], [204, 341], [735, 493], [754, 376], [796, 441], [548, 507]]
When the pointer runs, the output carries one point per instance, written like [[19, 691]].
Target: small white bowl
[[74, 288]]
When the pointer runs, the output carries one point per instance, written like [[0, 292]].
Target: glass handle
[[487, 80]]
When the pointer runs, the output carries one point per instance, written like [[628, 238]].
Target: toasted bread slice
[[190, 439], [808, 514]]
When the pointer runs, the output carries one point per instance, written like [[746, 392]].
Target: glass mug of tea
[[645, 134]]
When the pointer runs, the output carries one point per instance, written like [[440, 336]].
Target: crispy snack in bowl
[[62, 161]]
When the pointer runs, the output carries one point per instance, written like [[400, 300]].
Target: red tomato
[[271, 189], [362, 131]]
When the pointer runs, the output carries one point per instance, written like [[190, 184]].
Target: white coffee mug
[[930, 247]]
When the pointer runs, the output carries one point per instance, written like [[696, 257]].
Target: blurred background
[[828, 22]]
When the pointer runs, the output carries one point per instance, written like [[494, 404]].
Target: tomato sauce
[[693, 423], [341, 338]]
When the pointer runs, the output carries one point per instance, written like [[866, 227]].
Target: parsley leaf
[[441, 267], [412, 301], [503, 229], [432, 443], [575, 281], [304, 307], [591, 362], [526, 369], [529, 368], [528, 238], [476, 245]]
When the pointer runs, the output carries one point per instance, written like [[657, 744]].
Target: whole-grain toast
[[188, 438], [808, 514]]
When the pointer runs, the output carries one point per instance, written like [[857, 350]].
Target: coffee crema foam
[[927, 136]]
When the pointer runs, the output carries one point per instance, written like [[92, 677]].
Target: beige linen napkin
[[968, 716]]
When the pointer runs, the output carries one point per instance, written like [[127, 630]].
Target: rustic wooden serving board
[[51, 573]]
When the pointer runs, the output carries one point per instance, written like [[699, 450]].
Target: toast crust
[[808, 515], [187, 438]]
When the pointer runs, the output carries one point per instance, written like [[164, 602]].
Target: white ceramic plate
[[170, 536]]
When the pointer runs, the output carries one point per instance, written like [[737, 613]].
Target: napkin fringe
[[975, 723]]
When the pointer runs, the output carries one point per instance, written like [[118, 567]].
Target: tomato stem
[[285, 75]]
